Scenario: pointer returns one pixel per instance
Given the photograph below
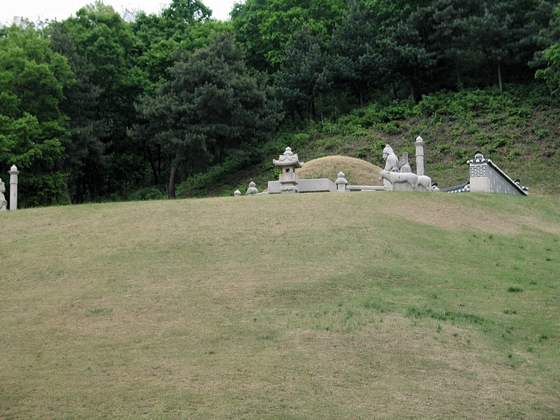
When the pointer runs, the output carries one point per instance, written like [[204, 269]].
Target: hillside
[[325, 306], [519, 131]]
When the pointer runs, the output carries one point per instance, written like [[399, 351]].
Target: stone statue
[[391, 165], [391, 159], [3, 202], [399, 178]]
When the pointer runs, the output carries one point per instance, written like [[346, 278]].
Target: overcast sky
[[35, 10]]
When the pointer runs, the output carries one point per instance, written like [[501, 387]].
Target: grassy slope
[[385, 305]]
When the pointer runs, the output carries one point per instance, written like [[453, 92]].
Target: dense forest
[[100, 107]]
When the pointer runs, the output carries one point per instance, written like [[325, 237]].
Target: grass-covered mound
[[357, 171], [325, 306]]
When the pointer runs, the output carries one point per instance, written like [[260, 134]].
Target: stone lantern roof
[[288, 159]]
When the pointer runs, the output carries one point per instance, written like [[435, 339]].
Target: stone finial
[[341, 182], [252, 190], [237, 193]]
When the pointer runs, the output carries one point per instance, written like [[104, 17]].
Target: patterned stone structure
[[485, 176]]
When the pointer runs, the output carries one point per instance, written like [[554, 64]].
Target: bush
[[147, 193]]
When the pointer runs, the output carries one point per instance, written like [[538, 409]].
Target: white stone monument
[[419, 156], [13, 187]]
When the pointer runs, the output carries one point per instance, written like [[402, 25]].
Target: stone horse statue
[[409, 178]]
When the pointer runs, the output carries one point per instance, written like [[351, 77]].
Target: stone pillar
[[419, 156], [13, 187]]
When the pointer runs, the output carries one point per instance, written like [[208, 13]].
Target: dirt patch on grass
[[357, 171]]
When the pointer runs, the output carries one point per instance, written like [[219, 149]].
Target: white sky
[[36, 10]]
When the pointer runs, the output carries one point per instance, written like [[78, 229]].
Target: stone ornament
[[341, 182], [252, 190], [237, 193]]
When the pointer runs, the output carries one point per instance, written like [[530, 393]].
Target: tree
[[405, 55], [32, 83], [210, 107], [109, 46], [306, 73], [353, 46], [266, 27], [83, 142]]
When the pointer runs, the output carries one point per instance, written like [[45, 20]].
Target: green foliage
[[199, 185], [32, 82], [266, 27], [146, 193], [415, 312], [210, 107]]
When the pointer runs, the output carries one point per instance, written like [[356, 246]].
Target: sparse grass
[[282, 306]]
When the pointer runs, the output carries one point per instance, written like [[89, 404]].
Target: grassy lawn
[[325, 306]]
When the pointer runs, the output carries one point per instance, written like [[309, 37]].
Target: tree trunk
[[500, 78], [172, 174], [459, 83], [171, 188]]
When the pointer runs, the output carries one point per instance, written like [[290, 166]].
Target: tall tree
[[210, 107], [306, 73], [83, 142], [353, 48], [266, 27], [108, 44], [32, 83]]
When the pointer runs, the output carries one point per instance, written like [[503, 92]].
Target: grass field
[[305, 306]]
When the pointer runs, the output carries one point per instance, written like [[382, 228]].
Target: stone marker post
[[419, 156], [13, 187]]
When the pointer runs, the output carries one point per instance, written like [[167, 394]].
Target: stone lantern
[[288, 163]]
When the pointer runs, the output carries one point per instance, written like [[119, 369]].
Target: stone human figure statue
[[3, 202], [391, 159], [391, 165]]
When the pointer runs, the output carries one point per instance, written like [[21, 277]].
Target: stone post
[[341, 182], [419, 156], [13, 187]]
